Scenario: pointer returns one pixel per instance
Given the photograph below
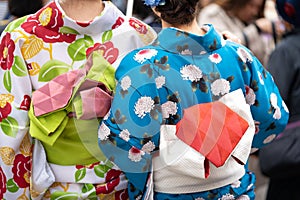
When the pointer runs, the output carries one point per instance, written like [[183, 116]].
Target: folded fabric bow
[[215, 129], [84, 93]]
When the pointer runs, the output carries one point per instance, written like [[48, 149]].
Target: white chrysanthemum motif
[[269, 139], [144, 55], [168, 108], [277, 113], [125, 83], [285, 107], [274, 100], [148, 147], [227, 197], [125, 135], [274, 103], [135, 154], [199, 198], [139, 197], [244, 55], [250, 187], [205, 27], [250, 96], [203, 52], [191, 72], [261, 80], [215, 58], [107, 115], [103, 132], [143, 105], [223, 42], [160, 81], [236, 184], [244, 197], [220, 87], [186, 52]]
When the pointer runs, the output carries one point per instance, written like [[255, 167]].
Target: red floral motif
[[84, 24], [7, 48], [112, 179], [121, 195], [5, 111], [21, 170], [118, 23], [108, 51], [91, 166], [25, 103], [46, 24], [2, 183], [138, 26]]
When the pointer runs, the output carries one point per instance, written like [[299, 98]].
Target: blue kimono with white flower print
[[157, 82]]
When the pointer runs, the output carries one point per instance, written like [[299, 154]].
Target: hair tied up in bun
[[154, 2]]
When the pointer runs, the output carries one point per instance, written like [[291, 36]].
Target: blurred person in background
[[17, 8], [245, 19], [3, 9], [281, 161], [144, 12], [4, 14], [121, 4], [204, 3]]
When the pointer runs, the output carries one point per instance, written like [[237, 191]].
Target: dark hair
[[20, 8], [289, 10], [178, 12]]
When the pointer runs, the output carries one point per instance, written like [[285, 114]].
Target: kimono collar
[[189, 44], [99, 24]]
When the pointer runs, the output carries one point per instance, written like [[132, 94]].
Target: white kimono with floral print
[[34, 50]]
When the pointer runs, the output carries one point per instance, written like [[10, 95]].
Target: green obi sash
[[69, 132]]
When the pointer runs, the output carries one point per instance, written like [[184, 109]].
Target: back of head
[[20, 8], [178, 12], [289, 10]]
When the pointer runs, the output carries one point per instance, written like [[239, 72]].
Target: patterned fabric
[[84, 94], [33, 51], [242, 189], [156, 83]]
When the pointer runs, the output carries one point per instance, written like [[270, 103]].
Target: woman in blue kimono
[[44, 58], [188, 110]]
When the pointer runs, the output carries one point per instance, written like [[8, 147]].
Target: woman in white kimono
[[42, 57]]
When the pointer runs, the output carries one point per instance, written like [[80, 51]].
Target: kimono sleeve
[[15, 97], [129, 134], [268, 108]]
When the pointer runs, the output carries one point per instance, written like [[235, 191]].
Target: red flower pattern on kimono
[[91, 166], [83, 24], [2, 183], [118, 23], [21, 170], [112, 179], [7, 48], [46, 25], [25, 103], [5, 111], [110, 53], [122, 194], [138, 26]]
